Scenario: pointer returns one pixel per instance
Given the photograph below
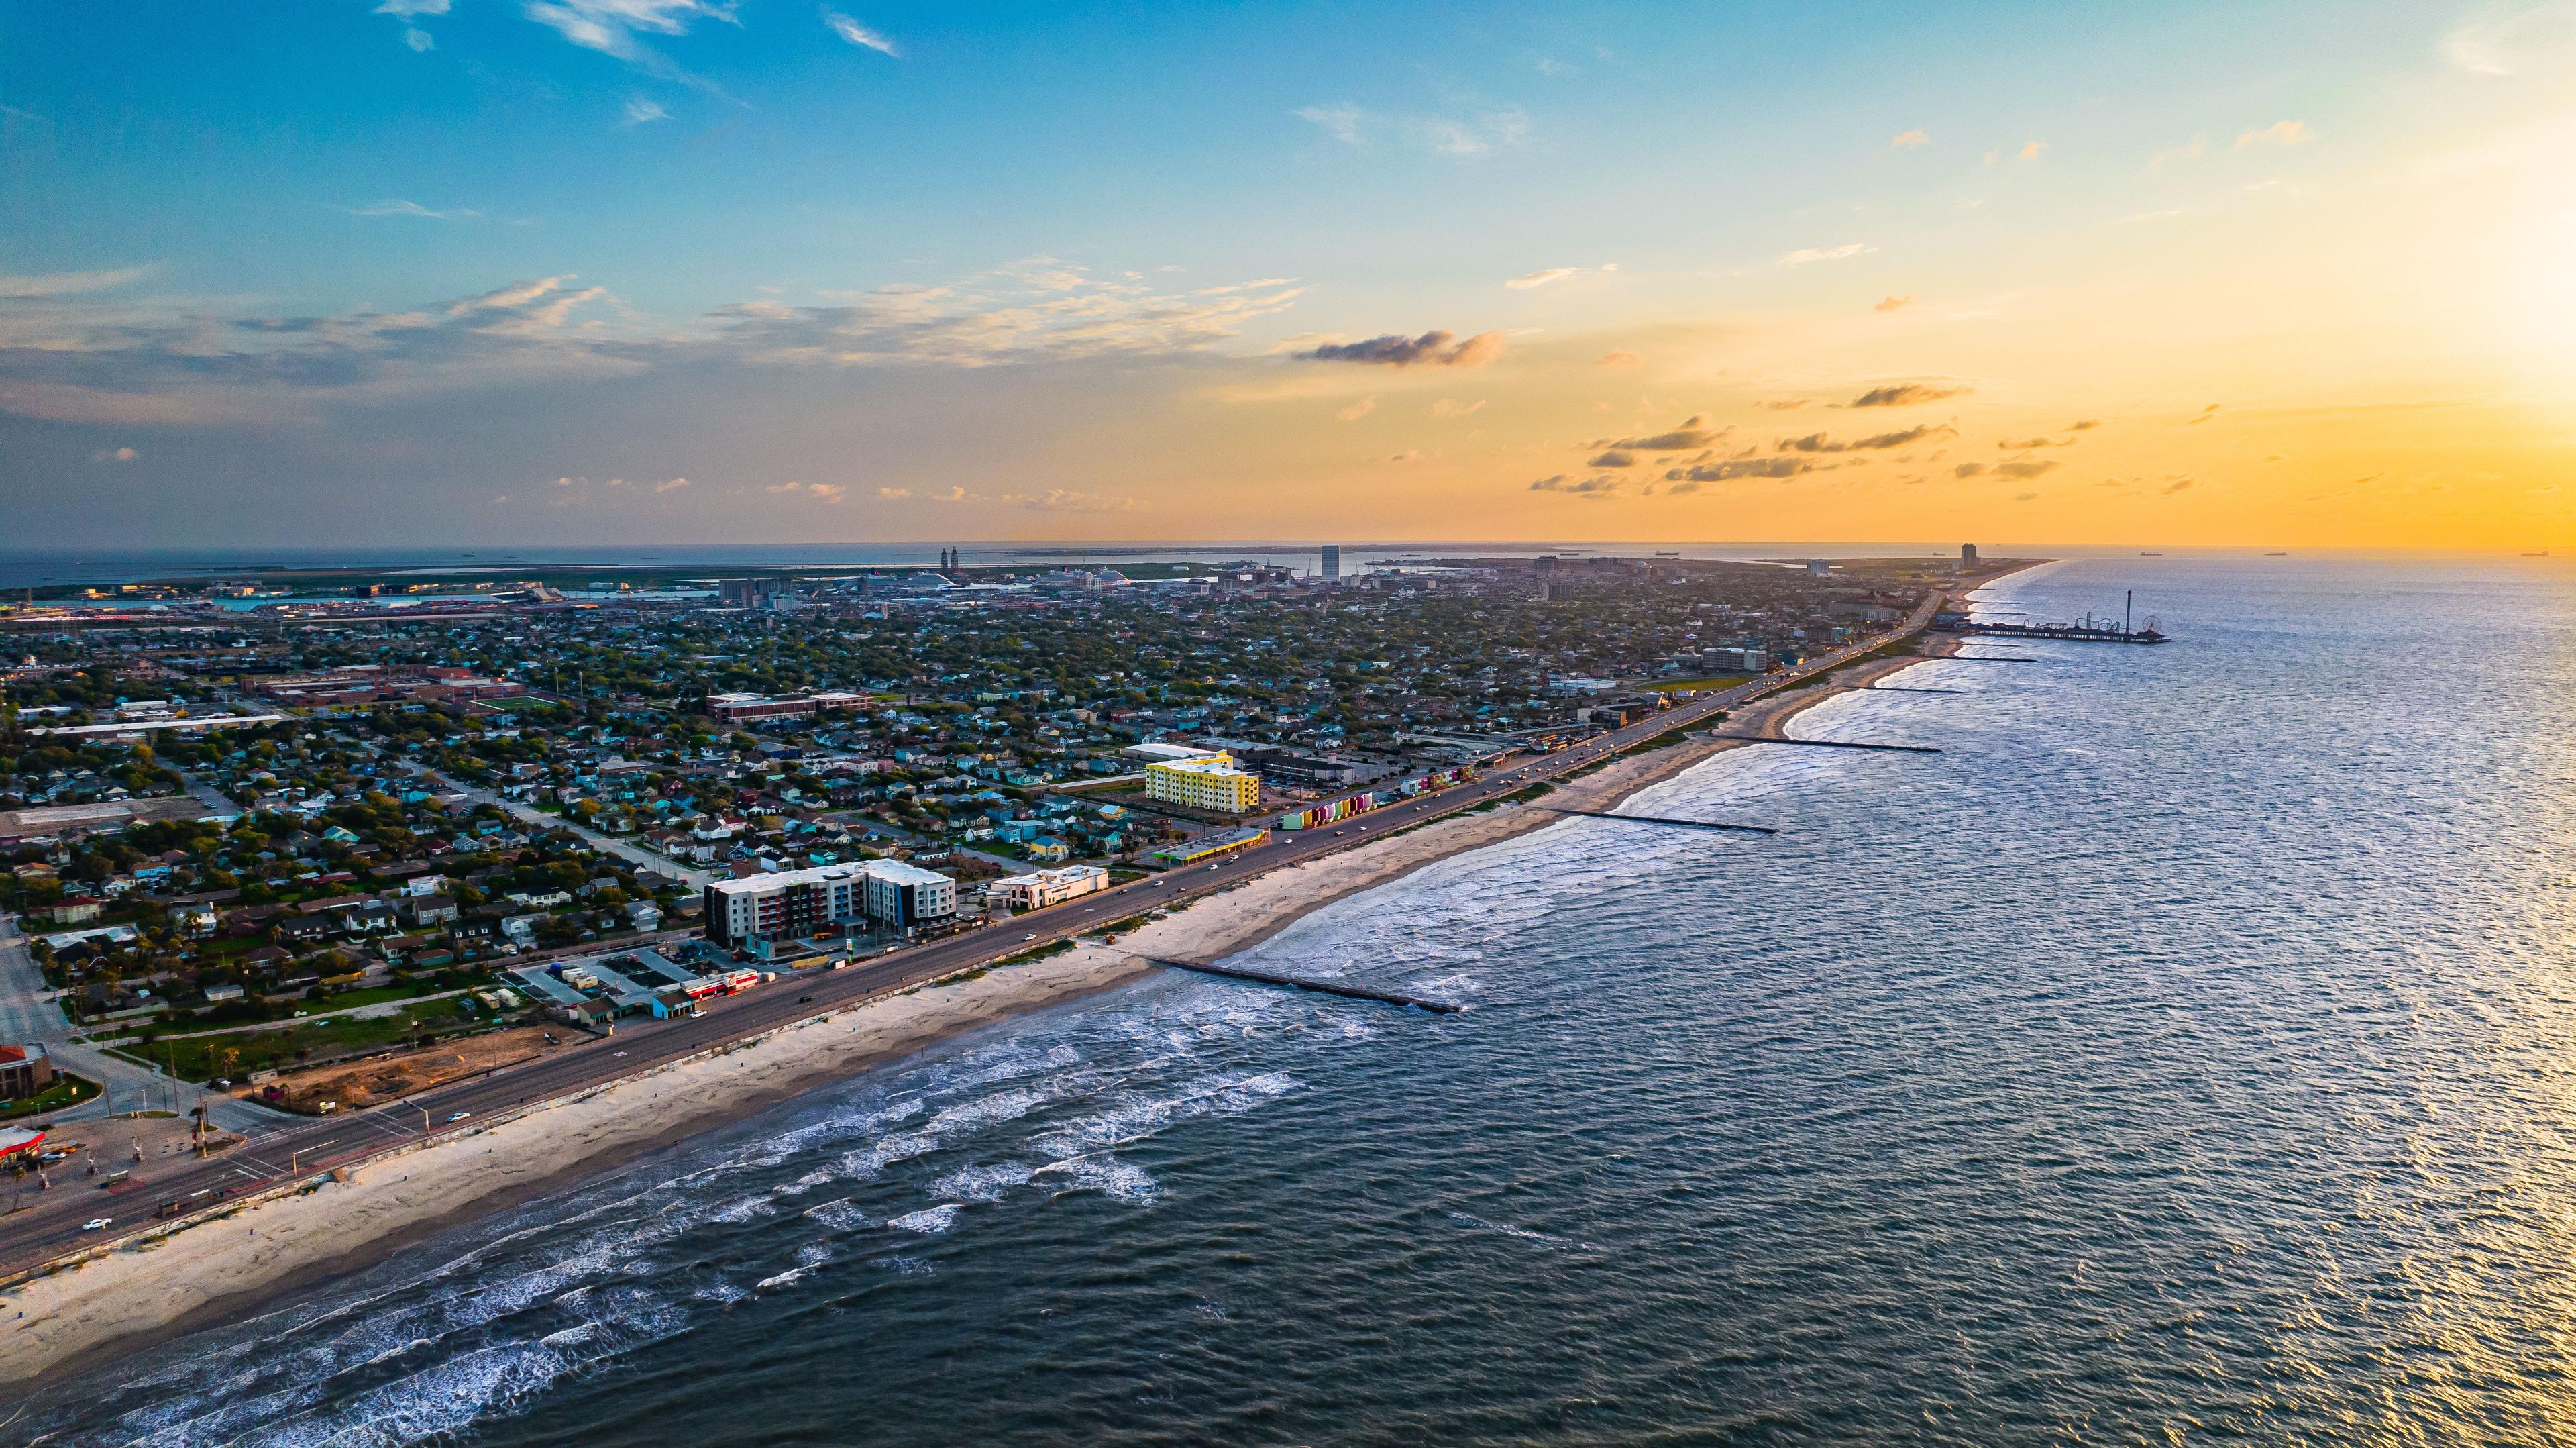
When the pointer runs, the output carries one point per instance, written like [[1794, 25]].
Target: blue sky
[[213, 210]]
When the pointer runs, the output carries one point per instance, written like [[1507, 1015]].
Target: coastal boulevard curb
[[296, 1180]]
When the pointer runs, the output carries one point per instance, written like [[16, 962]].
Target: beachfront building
[[1210, 847], [784, 904], [1041, 888], [1210, 781], [908, 896]]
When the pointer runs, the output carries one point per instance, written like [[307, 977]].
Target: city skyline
[[663, 271]]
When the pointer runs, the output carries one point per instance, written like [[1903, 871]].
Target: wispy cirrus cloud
[[410, 10], [68, 353], [64, 284], [1049, 500], [1908, 140], [2279, 133], [2508, 39], [1807, 255], [857, 34], [1345, 123], [616, 27], [643, 112], [1534, 280], [1466, 134], [395, 206]]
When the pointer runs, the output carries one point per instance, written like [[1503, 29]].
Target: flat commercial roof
[[539, 982]]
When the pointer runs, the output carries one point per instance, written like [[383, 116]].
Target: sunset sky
[[665, 270]]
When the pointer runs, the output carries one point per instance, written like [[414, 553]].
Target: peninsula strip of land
[[226, 1261]]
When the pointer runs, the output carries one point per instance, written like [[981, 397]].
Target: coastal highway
[[47, 1224]]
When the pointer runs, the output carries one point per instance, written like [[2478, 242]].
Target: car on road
[[1028, 937], [459, 1116], [96, 1224]]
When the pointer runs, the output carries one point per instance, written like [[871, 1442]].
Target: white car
[[95, 1224], [459, 1116], [1028, 937]]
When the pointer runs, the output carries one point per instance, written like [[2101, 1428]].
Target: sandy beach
[[86, 1311]]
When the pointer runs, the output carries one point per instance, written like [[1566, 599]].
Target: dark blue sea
[[2187, 1054]]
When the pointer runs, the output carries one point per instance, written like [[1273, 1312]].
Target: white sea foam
[[842, 1215], [981, 1183], [928, 1220]]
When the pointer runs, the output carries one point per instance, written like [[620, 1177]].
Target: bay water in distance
[[2183, 1055]]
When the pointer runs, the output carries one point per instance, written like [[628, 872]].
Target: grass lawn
[[373, 996], [67, 1090], [1724, 681], [202, 1058]]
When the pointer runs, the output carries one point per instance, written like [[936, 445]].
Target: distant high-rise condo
[[1818, 567], [1967, 554], [1332, 563]]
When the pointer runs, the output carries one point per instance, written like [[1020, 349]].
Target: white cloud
[[611, 27], [1357, 410], [418, 39], [108, 361], [672, 485], [857, 34], [1556, 274], [2284, 133], [409, 8], [2191, 150], [63, 284], [114, 455], [1343, 122], [1066, 500], [1478, 135], [827, 492], [1483, 133], [641, 112], [1806, 254], [395, 206], [1907, 140], [2503, 40]]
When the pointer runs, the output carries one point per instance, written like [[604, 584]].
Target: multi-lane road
[[49, 1223]]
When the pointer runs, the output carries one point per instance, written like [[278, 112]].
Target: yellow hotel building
[[1209, 781]]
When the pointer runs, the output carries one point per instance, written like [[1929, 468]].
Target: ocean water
[[2187, 1054]]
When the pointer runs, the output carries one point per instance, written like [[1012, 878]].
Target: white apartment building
[[788, 903]]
